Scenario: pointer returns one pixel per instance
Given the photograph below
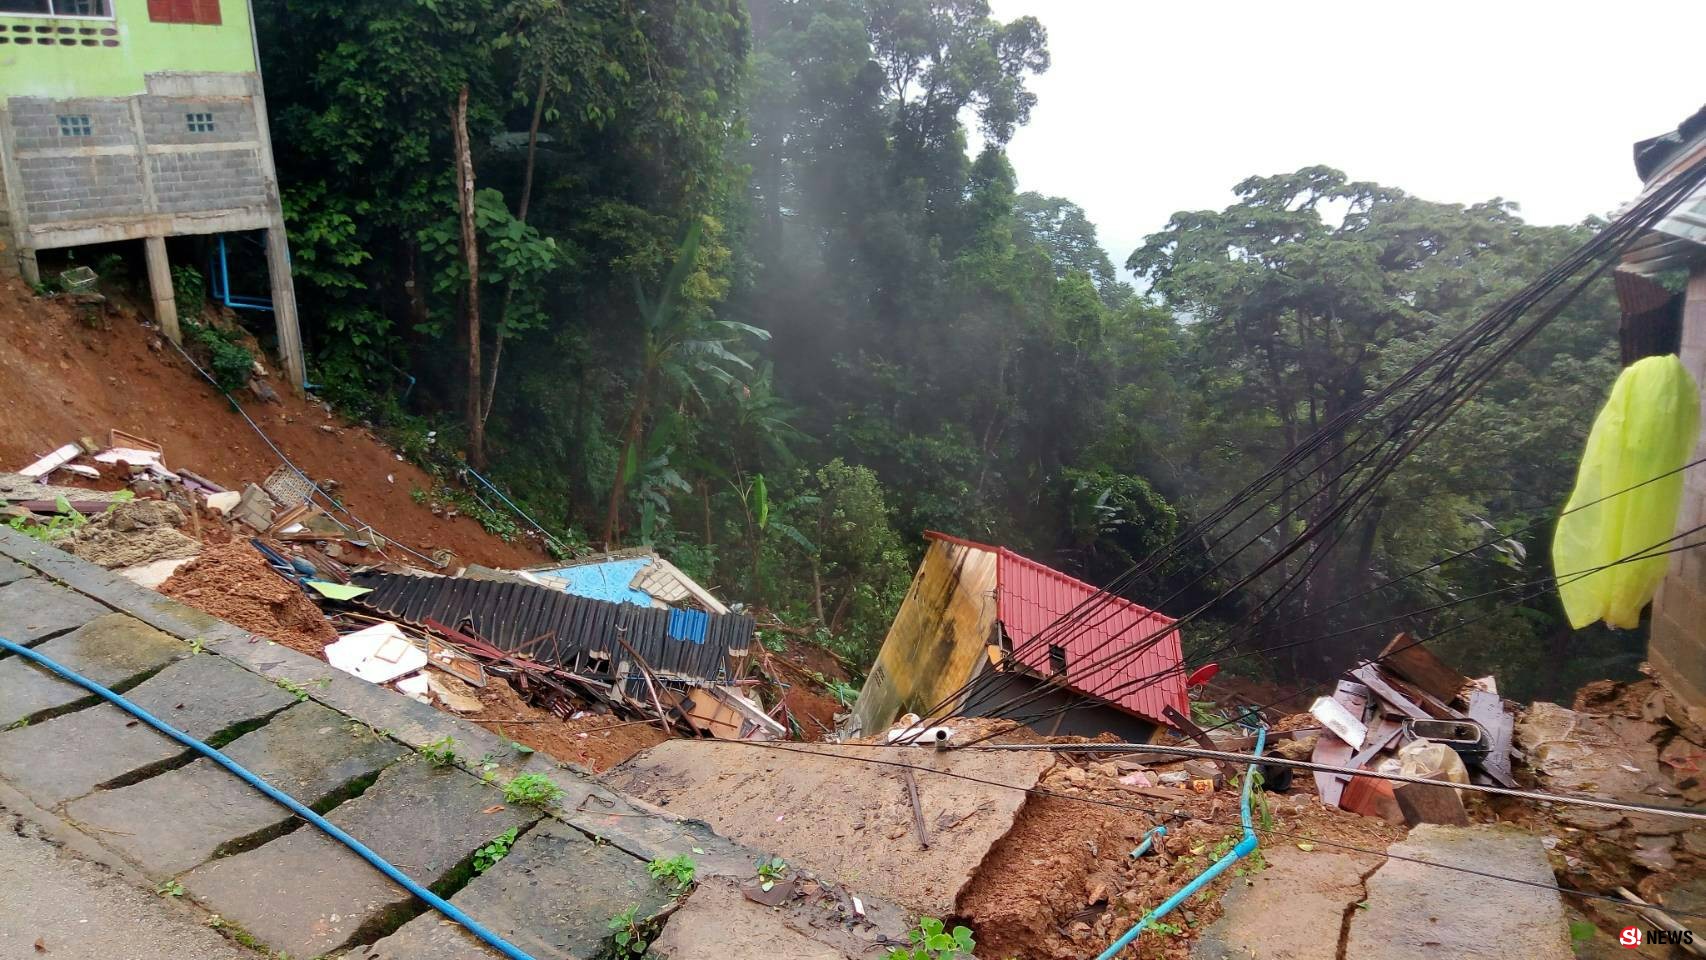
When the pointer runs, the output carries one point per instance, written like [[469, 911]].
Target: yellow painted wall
[[938, 639]]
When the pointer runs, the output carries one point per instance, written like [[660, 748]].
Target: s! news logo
[[1633, 937]]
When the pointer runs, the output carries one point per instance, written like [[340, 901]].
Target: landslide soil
[[231, 581], [62, 379]]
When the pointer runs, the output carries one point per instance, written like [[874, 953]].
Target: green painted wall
[[145, 47]]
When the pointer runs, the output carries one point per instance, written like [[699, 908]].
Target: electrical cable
[[1461, 394], [1632, 223], [1201, 753], [313, 487], [1165, 815], [449, 910], [1543, 585]]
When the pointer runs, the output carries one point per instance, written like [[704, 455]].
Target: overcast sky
[[1152, 107]]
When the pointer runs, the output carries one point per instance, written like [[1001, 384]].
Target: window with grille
[[59, 8], [199, 122], [184, 11], [75, 125]]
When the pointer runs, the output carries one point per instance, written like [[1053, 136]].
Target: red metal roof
[[1030, 597]]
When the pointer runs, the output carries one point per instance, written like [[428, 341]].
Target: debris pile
[[133, 533], [1407, 712], [581, 647], [1631, 742]]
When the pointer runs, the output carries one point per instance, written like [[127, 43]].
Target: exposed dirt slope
[[61, 379]]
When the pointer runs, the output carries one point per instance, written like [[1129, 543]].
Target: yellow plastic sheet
[[1647, 429]]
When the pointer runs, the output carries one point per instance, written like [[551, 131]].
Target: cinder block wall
[[212, 164], [1677, 649]]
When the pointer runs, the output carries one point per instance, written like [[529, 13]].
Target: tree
[[681, 340], [1066, 234], [1295, 317]]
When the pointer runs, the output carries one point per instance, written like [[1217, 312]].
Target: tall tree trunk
[[471, 260], [520, 215], [630, 448], [817, 591], [705, 496]]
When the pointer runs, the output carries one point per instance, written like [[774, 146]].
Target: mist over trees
[[747, 295]]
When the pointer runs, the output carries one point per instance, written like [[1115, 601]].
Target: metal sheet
[[509, 615]]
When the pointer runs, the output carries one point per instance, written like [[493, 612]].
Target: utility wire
[[1166, 815], [1201, 753], [1543, 585], [1478, 335], [313, 487]]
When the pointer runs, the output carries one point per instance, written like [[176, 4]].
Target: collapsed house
[[969, 619]]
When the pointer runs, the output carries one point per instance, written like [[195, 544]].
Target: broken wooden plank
[[1378, 739], [1190, 729], [1429, 803], [39, 470], [1488, 709], [917, 807], [1407, 658], [1369, 675], [1333, 751]]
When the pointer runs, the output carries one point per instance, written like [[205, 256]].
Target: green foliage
[[771, 871], [532, 789], [228, 360], [677, 871], [189, 290], [948, 352], [300, 690], [494, 850], [932, 941], [513, 256], [440, 752], [170, 888], [630, 935], [62, 523]]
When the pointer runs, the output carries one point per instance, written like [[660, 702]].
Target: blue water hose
[[1245, 847], [283, 799]]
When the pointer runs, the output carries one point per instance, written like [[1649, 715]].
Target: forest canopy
[[743, 290]]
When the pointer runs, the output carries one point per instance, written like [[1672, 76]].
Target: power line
[[1543, 585], [1450, 356], [1277, 761], [1160, 815]]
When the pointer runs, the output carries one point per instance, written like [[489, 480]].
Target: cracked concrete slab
[[424, 821], [1293, 910], [66, 757], [307, 751], [834, 812], [1420, 911], [553, 896]]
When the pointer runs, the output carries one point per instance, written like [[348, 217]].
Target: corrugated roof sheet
[[576, 633], [1030, 597]]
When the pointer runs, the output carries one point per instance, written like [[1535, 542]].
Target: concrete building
[[1657, 319], [137, 120]]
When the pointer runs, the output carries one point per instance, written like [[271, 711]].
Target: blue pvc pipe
[[222, 287], [283, 799], [1245, 847]]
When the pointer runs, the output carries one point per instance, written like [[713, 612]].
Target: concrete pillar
[[284, 308], [160, 285], [28, 266]]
